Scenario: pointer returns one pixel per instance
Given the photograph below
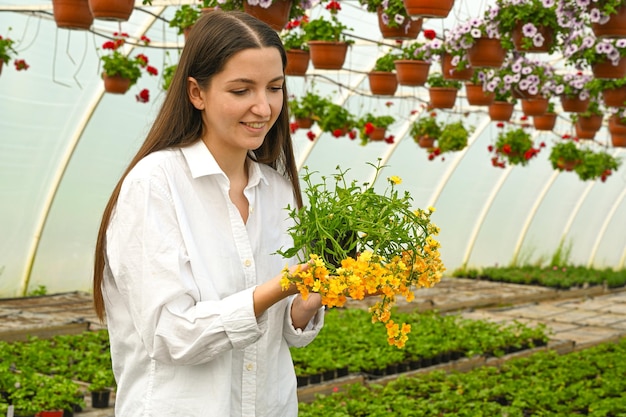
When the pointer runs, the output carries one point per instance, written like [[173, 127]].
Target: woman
[[185, 265]]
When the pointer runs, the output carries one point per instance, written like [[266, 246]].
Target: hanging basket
[[501, 111], [304, 122], [616, 127], [428, 8], [377, 134], [116, 84], [426, 142], [408, 30], [477, 96], [574, 104], [72, 14], [567, 164], [535, 106], [584, 134], [607, 70], [297, 62], [442, 97], [615, 27], [450, 72], [116, 10], [614, 97], [383, 83], [518, 39], [412, 72], [546, 121], [276, 15], [618, 141], [590, 123], [486, 53], [328, 55]]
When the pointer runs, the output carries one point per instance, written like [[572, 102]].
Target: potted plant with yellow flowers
[[359, 243]]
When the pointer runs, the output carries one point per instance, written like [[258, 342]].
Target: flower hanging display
[[360, 243], [7, 52], [514, 146]]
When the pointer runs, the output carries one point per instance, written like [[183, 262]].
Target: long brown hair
[[214, 39]]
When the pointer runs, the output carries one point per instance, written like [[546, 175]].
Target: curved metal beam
[[55, 183]]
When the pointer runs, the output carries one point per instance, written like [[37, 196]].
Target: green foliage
[[346, 217], [168, 73], [326, 29], [416, 51], [453, 137], [119, 64], [528, 11], [294, 38], [334, 117], [425, 126], [40, 290], [185, 17], [6, 49], [436, 79], [391, 8], [596, 165], [386, 62], [516, 146], [564, 151], [370, 121], [309, 105]]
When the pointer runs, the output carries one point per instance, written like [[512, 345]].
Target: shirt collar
[[201, 162]]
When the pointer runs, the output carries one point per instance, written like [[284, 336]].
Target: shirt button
[[249, 367], [247, 262]]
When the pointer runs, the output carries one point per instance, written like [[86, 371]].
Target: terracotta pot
[[297, 62], [546, 121], [450, 72], [407, 31], [328, 55], [117, 10], [412, 72], [477, 96], [304, 122], [116, 84], [486, 53], [574, 104], [567, 165], [615, 97], [590, 123], [72, 14], [442, 97], [276, 15], [615, 27], [584, 134], [501, 111], [1, 65], [607, 70], [428, 8], [616, 127], [378, 134], [383, 83], [618, 141], [535, 106], [426, 142], [518, 39]]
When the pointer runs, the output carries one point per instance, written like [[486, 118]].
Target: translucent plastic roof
[[64, 143]]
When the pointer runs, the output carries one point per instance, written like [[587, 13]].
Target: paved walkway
[[577, 318]]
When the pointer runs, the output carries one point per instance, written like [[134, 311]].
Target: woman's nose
[[262, 106]]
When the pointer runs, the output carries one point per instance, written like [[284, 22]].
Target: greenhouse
[[526, 207]]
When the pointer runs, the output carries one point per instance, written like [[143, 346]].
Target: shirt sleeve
[[302, 337], [151, 270]]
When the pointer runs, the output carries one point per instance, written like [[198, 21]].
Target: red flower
[[352, 134], [566, 136], [413, 112], [145, 39], [369, 128], [338, 133], [500, 125], [152, 70], [109, 45], [437, 151], [20, 65], [333, 6], [490, 148], [390, 139], [431, 156], [293, 126], [389, 103], [310, 135], [143, 96], [430, 34], [143, 59], [506, 148], [542, 145], [524, 117]]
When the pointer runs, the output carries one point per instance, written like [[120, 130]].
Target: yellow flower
[[394, 179], [431, 209]]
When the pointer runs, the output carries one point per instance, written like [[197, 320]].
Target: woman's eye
[[276, 88], [239, 92]]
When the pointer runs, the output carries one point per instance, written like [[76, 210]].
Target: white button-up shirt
[[180, 273]]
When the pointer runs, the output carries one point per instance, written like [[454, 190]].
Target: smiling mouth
[[256, 125]]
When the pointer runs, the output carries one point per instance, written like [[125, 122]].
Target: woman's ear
[[195, 93]]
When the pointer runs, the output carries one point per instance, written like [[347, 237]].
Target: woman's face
[[242, 102]]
